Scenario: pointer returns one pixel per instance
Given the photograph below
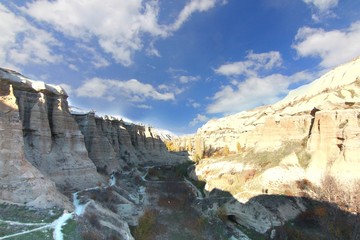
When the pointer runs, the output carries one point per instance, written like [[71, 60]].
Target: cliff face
[[334, 144], [46, 147], [312, 133], [45, 136], [113, 144], [21, 182]]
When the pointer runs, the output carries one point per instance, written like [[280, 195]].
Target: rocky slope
[[20, 182], [53, 142], [44, 147], [113, 144], [288, 147], [304, 145]]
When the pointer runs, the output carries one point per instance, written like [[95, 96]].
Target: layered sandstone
[[20, 181], [43, 144], [51, 139], [113, 144], [316, 126]]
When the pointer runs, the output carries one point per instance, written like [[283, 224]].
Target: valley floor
[[172, 211]]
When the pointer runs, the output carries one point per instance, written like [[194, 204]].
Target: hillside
[[262, 169], [294, 147], [39, 132]]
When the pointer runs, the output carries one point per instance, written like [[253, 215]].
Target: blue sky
[[174, 64]]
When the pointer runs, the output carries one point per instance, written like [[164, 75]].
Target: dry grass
[[267, 159], [146, 227]]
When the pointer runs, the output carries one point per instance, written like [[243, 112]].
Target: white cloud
[[322, 5], [192, 7], [235, 68], [94, 87], [117, 25], [68, 89], [21, 43], [322, 8], [131, 90], [267, 60], [186, 79], [73, 67], [333, 47], [195, 105], [171, 88], [96, 59], [198, 119], [252, 92], [254, 63], [152, 51], [144, 106]]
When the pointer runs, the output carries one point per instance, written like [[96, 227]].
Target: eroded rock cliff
[[45, 136], [21, 182], [310, 134], [113, 144], [46, 147]]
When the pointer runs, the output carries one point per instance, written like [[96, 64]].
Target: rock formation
[[21, 182], [288, 148], [310, 134], [43, 144], [113, 144]]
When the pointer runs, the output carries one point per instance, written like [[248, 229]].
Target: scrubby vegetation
[[146, 227], [321, 220], [268, 159], [25, 216]]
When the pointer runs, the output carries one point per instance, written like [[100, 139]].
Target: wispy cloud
[[192, 7], [322, 8], [131, 90], [249, 87], [95, 58], [182, 76], [21, 43], [68, 89], [193, 103], [253, 92], [332, 47], [322, 5], [144, 106], [253, 63], [118, 26], [187, 78], [198, 119]]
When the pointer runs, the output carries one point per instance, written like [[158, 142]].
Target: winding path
[[58, 223]]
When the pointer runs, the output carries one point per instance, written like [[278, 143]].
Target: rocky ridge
[[311, 134], [283, 149], [21, 182], [47, 147], [113, 144], [53, 142]]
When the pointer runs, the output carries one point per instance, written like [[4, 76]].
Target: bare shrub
[[248, 175], [91, 235], [222, 214], [304, 184], [93, 220], [329, 189], [146, 227]]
